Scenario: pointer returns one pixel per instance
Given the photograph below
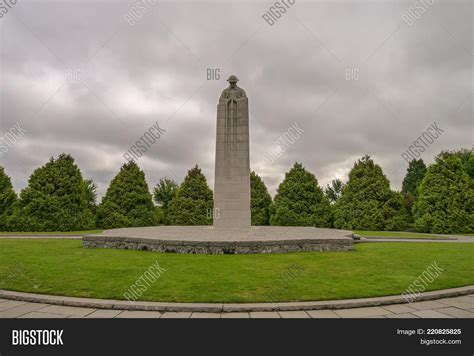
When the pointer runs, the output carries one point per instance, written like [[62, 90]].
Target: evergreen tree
[[193, 202], [91, 194], [395, 214], [55, 199], [160, 215], [163, 193], [300, 201], [8, 199], [333, 191], [466, 155], [367, 203], [415, 173], [260, 201], [128, 201], [446, 198]]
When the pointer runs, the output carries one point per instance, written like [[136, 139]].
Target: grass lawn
[[85, 232], [398, 234], [63, 267]]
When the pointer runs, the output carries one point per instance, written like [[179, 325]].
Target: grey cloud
[[153, 70]]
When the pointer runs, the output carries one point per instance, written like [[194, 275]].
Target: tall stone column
[[232, 173]]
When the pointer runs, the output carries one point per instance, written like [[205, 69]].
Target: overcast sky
[[292, 71]]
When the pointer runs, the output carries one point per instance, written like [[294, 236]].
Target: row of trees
[[438, 199]]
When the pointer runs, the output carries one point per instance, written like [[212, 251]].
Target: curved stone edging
[[228, 307]]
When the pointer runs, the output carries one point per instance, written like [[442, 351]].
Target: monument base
[[210, 240]]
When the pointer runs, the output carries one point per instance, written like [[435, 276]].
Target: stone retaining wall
[[217, 247]]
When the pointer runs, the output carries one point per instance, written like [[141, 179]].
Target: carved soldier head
[[233, 81]]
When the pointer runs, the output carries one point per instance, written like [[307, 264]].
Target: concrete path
[[38, 236], [452, 239], [456, 307]]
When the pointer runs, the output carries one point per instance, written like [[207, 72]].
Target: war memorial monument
[[232, 173], [232, 232]]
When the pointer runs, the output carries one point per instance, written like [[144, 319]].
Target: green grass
[[63, 267], [398, 234], [84, 232]]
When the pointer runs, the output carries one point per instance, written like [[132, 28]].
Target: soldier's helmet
[[233, 79]]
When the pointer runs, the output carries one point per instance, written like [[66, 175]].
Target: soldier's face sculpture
[[233, 84]]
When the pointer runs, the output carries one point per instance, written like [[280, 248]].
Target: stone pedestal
[[209, 240], [232, 171]]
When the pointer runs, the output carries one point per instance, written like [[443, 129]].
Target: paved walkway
[[38, 236], [456, 307], [452, 238]]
